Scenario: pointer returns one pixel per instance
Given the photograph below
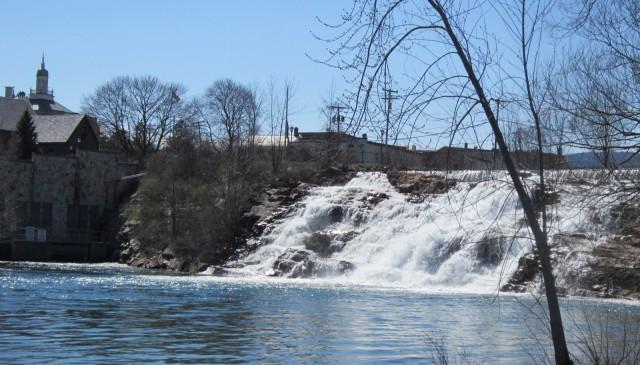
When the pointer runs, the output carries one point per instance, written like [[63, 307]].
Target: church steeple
[[42, 80]]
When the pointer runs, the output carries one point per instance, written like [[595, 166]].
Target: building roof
[[326, 136], [265, 141], [11, 110], [56, 128], [50, 127], [44, 106]]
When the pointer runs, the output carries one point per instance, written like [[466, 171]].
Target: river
[[113, 314]]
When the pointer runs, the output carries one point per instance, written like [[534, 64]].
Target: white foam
[[404, 244]]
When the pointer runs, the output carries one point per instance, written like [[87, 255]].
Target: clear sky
[[195, 42]]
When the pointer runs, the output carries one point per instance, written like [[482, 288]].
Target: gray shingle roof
[[56, 128], [51, 128], [11, 111], [42, 106]]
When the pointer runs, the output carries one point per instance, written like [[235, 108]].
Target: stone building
[[60, 131], [59, 204]]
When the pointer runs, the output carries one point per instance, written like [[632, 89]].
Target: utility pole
[[337, 119], [286, 117], [388, 97]]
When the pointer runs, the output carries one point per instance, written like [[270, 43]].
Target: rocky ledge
[[419, 185], [603, 267], [267, 206]]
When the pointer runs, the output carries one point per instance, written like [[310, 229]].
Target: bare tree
[[599, 87], [232, 112], [137, 113], [453, 62], [278, 122]]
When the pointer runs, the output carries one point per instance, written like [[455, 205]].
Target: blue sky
[[196, 42], [193, 42]]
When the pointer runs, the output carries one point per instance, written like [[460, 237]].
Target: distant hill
[[594, 159]]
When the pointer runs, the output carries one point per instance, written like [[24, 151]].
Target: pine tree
[[27, 136]]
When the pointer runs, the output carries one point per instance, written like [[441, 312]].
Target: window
[[47, 215], [94, 218], [36, 214], [83, 220]]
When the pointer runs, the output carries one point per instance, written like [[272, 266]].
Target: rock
[[419, 183], [489, 250], [294, 264], [344, 266], [525, 273], [374, 199], [333, 176], [336, 214], [321, 244], [168, 253], [346, 236], [125, 254], [406, 188], [215, 270]]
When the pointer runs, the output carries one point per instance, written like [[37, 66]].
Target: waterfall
[[466, 239]]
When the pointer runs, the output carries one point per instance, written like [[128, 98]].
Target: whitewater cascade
[[466, 239]]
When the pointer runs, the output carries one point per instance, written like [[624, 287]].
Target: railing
[[35, 92]]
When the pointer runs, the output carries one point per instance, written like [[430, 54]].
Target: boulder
[[344, 267], [374, 198], [294, 263], [336, 214], [489, 250], [322, 244], [168, 253]]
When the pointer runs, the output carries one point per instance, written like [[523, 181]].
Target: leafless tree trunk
[[557, 330], [279, 123], [233, 112], [374, 31]]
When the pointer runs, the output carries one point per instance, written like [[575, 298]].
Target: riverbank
[[603, 266]]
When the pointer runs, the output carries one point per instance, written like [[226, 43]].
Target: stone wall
[[52, 190], [8, 144], [15, 182]]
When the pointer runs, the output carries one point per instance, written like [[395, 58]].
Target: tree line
[[203, 161]]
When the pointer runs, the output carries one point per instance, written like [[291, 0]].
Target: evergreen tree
[[27, 136]]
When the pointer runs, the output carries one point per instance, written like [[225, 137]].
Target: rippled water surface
[[63, 313]]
